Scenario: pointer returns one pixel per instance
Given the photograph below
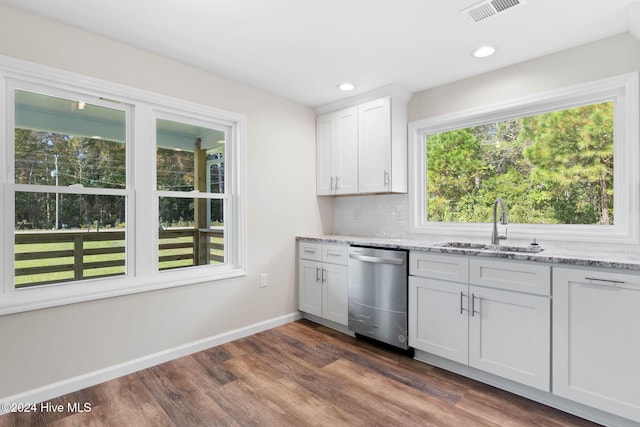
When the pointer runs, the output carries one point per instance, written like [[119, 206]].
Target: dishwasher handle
[[376, 260]]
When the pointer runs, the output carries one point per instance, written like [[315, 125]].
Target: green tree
[[85, 161], [572, 155], [551, 168], [454, 168]]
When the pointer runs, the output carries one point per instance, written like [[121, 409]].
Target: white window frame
[[142, 220], [623, 90], [230, 223]]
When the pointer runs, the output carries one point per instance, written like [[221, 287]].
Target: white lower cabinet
[[596, 339], [436, 324], [309, 287], [438, 320], [323, 281], [510, 335], [504, 332]]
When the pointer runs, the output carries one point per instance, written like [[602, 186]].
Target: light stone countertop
[[553, 256]]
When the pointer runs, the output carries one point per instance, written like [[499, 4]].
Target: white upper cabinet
[[345, 156], [374, 175], [325, 140], [362, 149], [337, 152]]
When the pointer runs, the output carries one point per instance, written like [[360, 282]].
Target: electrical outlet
[[264, 280]]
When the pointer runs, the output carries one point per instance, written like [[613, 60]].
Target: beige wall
[[593, 61], [46, 346]]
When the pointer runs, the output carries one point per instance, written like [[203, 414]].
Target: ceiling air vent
[[489, 8]]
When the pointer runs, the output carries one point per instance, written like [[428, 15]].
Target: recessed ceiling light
[[484, 51], [346, 86]]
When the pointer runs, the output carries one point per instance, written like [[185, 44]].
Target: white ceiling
[[302, 49]]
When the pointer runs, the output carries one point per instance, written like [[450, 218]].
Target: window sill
[[541, 232], [38, 298]]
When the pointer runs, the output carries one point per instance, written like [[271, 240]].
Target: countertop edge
[[550, 256]]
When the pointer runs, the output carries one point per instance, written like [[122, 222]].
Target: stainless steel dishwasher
[[378, 294]]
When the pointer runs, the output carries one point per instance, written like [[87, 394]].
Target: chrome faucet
[[495, 237]]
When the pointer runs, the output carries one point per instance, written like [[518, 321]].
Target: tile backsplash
[[376, 216], [388, 216]]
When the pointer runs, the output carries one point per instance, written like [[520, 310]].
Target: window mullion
[[145, 223]]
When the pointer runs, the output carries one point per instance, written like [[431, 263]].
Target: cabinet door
[[335, 293], [374, 146], [325, 136], [510, 335], [310, 287], [596, 342], [438, 319], [344, 155]]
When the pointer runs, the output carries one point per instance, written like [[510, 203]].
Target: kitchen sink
[[496, 248]]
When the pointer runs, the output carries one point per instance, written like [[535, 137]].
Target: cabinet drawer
[[435, 266], [513, 276], [335, 254], [309, 250]]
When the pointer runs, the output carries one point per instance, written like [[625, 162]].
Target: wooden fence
[[198, 246]]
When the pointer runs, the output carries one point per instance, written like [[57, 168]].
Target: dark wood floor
[[300, 374]]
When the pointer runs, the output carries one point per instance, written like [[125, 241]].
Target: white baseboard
[[70, 385]]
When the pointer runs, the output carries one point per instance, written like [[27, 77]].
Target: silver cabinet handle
[[462, 309], [617, 282], [331, 185], [337, 179], [309, 251], [386, 177], [473, 305], [317, 274], [334, 254], [324, 279]]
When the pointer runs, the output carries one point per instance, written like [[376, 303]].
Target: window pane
[[553, 168], [191, 232], [189, 157], [91, 244], [64, 142]]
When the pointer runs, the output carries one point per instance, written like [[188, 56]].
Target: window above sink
[[566, 163]]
